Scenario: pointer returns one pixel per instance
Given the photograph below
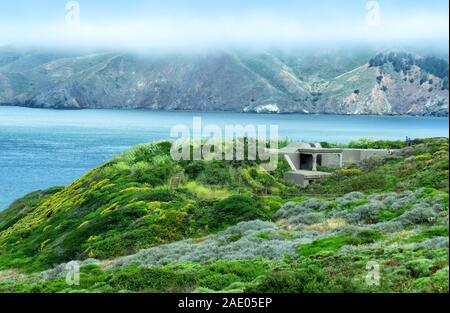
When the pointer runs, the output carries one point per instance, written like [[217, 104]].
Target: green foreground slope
[[139, 199], [145, 223]]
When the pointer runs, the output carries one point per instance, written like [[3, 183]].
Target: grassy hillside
[[423, 165], [145, 223], [137, 200]]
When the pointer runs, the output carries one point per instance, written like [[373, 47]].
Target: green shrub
[[309, 279], [333, 244], [214, 173], [367, 143], [152, 280], [238, 208], [349, 172], [194, 168], [364, 237], [429, 233], [436, 283], [263, 235], [280, 282], [420, 267]]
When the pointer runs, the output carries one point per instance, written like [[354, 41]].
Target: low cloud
[[262, 30]]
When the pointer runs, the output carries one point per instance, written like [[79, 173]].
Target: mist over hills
[[349, 82]]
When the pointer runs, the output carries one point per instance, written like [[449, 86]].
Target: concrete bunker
[[304, 160]]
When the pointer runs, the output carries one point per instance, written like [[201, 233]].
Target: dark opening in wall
[[306, 162]]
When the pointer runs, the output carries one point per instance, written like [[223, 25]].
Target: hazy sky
[[141, 24]]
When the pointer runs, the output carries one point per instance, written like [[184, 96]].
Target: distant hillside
[[362, 82]]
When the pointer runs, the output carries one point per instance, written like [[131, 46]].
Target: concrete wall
[[353, 156], [368, 153], [295, 178], [294, 160], [330, 160]]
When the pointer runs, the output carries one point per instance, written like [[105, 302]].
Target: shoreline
[[222, 112]]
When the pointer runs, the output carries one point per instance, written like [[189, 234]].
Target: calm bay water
[[42, 148]]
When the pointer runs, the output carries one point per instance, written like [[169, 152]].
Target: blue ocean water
[[41, 148]]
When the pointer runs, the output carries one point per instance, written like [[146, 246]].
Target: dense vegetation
[[137, 200], [423, 165], [145, 223], [368, 143], [403, 62]]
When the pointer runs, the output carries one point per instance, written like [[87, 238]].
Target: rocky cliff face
[[387, 83], [392, 83]]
